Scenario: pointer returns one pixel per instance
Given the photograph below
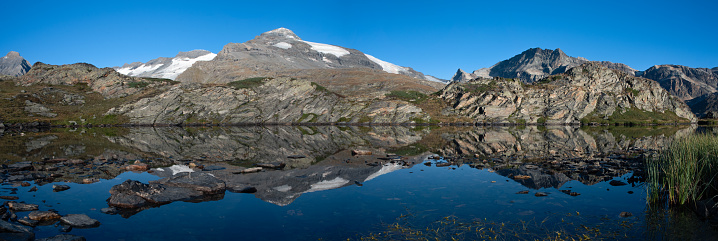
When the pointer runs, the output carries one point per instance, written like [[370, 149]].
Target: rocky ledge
[[589, 93], [280, 100]]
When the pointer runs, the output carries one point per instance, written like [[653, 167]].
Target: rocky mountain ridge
[[588, 93], [168, 68], [685, 82], [534, 64], [105, 81], [13, 64]]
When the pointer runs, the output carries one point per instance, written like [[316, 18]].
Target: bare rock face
[[685, 82], [13, 64], [280, 52], [589, 91], [535, 64], [105, 81], [281, 100]]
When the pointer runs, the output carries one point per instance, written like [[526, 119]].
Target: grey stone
[[203, 182], [16, 206], [79, 221]]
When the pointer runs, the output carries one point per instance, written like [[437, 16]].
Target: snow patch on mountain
[[166, 67], [179, 65], [283, 45], [327, 49], [139, 70], [386, 66]]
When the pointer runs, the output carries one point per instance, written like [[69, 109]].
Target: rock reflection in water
[[539, 157]]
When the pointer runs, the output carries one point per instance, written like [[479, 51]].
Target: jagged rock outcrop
[[685, 82], [168, 68], [280, 100], [535, 64], [280, 52], [105, 81], [13, 64], [590, 92]]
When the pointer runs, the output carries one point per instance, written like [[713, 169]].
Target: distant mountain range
[[13, 64], [168, 68], [350, 72]]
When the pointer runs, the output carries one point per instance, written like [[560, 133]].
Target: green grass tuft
[[685, 172]]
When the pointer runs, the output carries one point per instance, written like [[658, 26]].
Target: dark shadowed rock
[[7, 227], [63, 237], [272, 165], [617, 183], [26, 236], [154, 193], [198, 181], [60, 188], [79, 221]]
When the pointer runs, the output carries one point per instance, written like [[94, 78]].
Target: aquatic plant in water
[[684, 172]]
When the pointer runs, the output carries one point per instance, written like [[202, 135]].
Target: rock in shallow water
[[43, 215], [60, 188], [63, 237], [203, 182], [15, 206], [7, 227], [80, 221]]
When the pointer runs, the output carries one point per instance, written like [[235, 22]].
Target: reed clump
[[684, 172]]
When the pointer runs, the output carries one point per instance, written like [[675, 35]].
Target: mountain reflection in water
[[315, 159]]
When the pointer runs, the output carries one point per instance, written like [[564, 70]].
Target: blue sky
[[434, 37]]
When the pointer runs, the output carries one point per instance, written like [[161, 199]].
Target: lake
[[321, 183]]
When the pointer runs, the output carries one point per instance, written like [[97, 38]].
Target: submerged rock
[[7, 227], [63, 237]]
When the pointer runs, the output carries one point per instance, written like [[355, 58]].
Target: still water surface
[[469, 176]]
